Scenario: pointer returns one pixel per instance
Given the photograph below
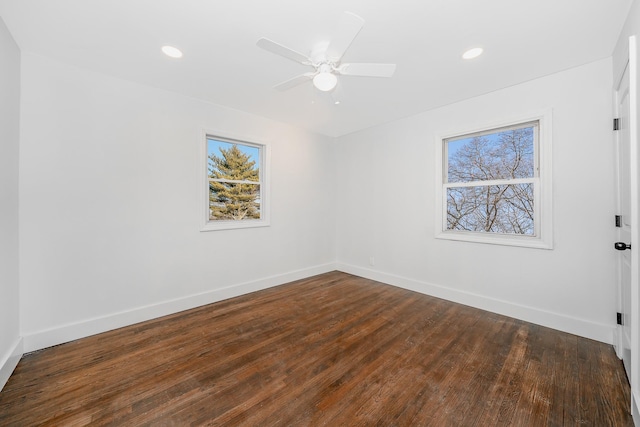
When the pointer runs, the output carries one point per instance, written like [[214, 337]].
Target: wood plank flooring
[[331, 350]]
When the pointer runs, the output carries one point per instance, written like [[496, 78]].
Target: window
[[494, 184], [235, 184]]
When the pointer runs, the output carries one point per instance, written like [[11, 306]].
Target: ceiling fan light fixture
[[325, 81]]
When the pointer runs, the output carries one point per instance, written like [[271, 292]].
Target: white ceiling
[[523, 40]]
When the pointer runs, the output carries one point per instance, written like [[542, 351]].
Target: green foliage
[[233, 200]]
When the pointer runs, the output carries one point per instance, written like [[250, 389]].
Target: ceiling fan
[[325, 58]]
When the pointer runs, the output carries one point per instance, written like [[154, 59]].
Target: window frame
[[263, 164], [542, 238]]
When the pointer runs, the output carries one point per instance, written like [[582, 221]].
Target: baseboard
[[65, 333], [635, 413], [9, 362], [61, 334], [584, 328]]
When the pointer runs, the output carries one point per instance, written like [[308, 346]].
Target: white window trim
[[265, 193], [542, 188]]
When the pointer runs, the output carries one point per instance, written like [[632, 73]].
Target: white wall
[[386, 208], [10, 344], [621, 51], [111, 205]]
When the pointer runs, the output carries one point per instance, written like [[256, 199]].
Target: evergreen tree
[[231, 197]]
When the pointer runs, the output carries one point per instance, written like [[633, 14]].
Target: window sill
[[233, 225], [495, 239]]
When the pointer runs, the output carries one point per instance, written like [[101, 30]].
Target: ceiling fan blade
[[349, 27], [367, 70], [295, 81], [278, 49]]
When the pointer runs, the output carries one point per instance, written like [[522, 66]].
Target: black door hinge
[[619, 318], [616, 124], [618, 221]]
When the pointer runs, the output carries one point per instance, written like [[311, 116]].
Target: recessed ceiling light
[[472, 53], [172, 52]]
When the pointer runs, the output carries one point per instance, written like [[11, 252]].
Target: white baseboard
[[65, 333], [9, 361], [61, 334], [635, 413], [581, 327]]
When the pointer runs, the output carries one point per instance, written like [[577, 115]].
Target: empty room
[[284, 213]]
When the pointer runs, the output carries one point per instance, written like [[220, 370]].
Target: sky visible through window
[[213, 147], [456, 144], [490, 152]]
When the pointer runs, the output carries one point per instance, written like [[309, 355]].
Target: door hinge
[[619, 318], [618, 220], [616, 124]]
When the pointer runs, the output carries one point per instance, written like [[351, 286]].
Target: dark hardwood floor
[[334, 350]]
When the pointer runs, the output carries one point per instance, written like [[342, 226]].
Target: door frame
[[635, 259]]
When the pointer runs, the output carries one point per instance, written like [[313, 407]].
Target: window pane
[[233, 202], [504, 209], [506, 154], [233, 161]]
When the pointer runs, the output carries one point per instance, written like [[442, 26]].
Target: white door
[[628, 237], [623, 222]]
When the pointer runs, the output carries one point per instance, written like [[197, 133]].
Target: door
[[623, 222], [628, 236]]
